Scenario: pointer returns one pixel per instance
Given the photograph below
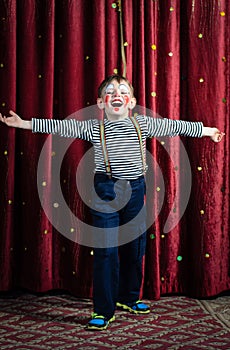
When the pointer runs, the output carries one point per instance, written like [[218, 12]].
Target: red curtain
[[53, 56]]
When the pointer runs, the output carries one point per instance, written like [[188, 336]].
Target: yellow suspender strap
[[104, 149], [138, 130]]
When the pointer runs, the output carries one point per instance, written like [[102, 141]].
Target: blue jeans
[[117, 269]]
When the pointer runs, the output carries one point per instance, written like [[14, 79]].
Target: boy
[[119, 142]]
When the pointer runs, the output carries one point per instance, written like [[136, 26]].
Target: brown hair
[[116, 77]]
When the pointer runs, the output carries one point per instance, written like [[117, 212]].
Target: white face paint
[[109, 89], [124, 89]]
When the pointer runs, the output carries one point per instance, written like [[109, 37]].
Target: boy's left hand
[[217, 135]]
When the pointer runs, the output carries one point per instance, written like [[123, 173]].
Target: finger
[[219, 138]]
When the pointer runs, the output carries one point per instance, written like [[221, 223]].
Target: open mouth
[[117, 103]]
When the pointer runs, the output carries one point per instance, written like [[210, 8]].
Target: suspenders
[[138, 130], [105, 151]]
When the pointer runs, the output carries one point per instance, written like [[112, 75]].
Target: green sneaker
[[99, 322], [137, 307]]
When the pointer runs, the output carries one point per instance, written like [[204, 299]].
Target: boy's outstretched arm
[[215, 134], [15, 121]]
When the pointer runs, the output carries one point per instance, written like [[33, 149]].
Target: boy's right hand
[[15, 121]]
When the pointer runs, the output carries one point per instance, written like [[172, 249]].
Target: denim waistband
[[104, 176]]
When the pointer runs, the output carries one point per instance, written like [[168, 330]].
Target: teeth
[[117, 104]]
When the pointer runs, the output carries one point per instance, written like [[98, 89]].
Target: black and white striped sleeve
[[66, 128], [158, 127]]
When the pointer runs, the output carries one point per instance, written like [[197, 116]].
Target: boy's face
[[117, 100]]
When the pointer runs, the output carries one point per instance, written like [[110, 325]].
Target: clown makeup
[[118, 96], [109, 89], [124, 89], [125, 92]]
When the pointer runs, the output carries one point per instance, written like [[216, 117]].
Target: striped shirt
[[121, 138]]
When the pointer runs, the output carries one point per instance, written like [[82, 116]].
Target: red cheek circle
[[127, 99], [107, 98]]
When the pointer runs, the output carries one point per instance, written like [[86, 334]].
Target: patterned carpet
[[55, 321]]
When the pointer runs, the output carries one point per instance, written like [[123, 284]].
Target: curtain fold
[[7, 143], [54, 55]]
